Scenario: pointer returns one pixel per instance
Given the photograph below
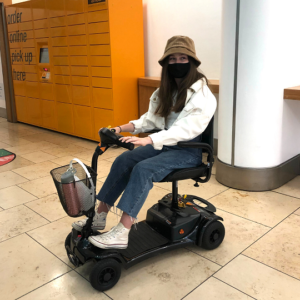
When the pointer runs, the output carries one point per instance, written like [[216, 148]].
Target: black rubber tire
[[107, 267], [68, 239], [213, 236]]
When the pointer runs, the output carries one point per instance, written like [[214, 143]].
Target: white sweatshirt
[[200, 106]]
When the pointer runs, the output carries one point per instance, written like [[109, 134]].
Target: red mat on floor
[[6, 157]]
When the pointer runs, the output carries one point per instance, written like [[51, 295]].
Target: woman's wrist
[[124, 128], [150, 140]]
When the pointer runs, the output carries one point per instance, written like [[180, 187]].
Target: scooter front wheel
[[105, 274]]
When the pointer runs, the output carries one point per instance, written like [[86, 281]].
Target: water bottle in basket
[[70, 192]]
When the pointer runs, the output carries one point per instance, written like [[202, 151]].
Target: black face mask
[[179, 70]]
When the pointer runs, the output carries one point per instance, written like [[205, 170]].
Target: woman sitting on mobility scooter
[[182, 108]]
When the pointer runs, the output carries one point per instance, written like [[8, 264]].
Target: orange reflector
[[181, 231], [103, 149], [189, 203]]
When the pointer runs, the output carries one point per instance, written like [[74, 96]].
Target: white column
[[225, 109], [268, 61]]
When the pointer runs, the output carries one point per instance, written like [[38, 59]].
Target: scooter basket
[[76, 197]]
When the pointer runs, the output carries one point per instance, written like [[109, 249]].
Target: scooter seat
[[187, 173]]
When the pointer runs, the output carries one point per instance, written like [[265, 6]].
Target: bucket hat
[[180, 44]]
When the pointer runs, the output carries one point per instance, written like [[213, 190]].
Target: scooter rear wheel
[[105, 274], [213, 235]]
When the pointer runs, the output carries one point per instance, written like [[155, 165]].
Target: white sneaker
[[116, 238], [99, 222]]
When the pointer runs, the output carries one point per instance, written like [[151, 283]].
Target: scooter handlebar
[[128, 146], [109, 137]]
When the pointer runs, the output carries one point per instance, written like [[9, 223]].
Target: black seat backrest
[[208, 134]]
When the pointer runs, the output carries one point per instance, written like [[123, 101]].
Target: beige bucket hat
[[180, 44]]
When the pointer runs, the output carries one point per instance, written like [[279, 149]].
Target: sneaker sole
[[78, 228], [105, 246]]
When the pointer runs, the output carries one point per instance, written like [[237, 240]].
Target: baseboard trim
[[3, 113], [257, 180]]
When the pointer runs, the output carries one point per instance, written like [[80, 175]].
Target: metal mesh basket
[[76, 197]]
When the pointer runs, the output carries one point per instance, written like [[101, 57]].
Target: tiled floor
[[259, 258]]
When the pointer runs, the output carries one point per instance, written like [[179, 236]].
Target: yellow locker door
[[48, 110], [64, 117], [82, 121], [34, 111], [21, 106]]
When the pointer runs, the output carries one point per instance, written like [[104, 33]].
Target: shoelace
[[111, 234]]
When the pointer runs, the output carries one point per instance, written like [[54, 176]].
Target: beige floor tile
[[33, 128], [64, 151], [48, 207], [280, 248], [9, 178], [205, 190], [53, 235], [37, 171], [259, 281], [14, 132], [15, 141], [267, 208], [168, 276], [17, 220], [25, 266], [60, 139], [69, 286], [20, 150], [65, 160], [214, 289], [40, 188], [35, 137], [4, 130], [297, 212], [239, 234], [85, 155], [25, 128], [18, 162], [13, 196], [2, 120], [38, 156], [28, 129], [87, 144], [292, 188], [43, 136], [4, 145], [4, 135]]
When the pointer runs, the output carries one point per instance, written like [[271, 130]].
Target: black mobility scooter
[[175, 221]]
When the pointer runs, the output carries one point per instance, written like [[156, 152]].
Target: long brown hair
[[168, 88]]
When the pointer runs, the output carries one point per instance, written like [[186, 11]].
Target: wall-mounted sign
[[95, 1]]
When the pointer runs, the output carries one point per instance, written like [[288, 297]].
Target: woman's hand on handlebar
[[117, 129], [136, 140]]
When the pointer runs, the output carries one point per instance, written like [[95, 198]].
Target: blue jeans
[[135, 171]]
